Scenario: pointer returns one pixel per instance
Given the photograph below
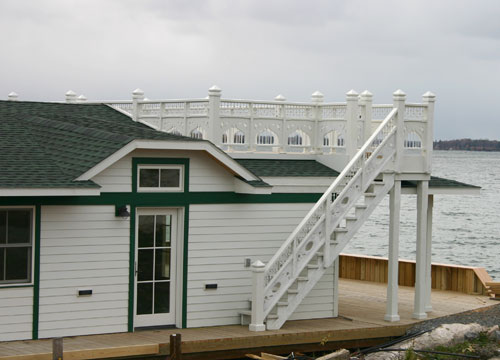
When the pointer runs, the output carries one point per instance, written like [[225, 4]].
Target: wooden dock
[[361, 309]]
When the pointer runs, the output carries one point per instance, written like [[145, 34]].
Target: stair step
[[360, 206], [370, 195], [249, 313], [293, 291], [302, 278], [341, 230], [282, 303], [313, 266]]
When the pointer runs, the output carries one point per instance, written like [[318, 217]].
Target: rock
[[470, 336], [445, 335], [491, 332]]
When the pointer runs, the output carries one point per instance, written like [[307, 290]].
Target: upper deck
[[329, 132]]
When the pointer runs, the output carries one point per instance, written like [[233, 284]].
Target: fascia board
[[219, 155], [49, 192]]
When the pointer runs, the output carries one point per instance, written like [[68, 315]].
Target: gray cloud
[[257, 49]]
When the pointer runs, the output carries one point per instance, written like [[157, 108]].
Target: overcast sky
[[259, 49]]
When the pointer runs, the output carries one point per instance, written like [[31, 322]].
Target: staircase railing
[[314, 231]]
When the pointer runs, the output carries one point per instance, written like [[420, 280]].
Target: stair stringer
[[335, 250], [307, 242]]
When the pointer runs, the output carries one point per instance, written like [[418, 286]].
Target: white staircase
[[315, 244]]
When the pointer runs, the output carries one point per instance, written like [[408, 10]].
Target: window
[[295, 139], [197, 134], [16, 240], [160, 177]]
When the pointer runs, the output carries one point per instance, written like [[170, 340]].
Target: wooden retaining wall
[[464, 279]]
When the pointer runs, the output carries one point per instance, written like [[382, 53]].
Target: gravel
[[489, 316]]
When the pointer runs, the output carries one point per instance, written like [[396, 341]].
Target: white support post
[[429, 99], [421, 262], [351, 142], [137, 95], [399, 98], [428, 265], [317, 141], [70, 97], [393, 271], [366, 99], [214, 122], [257, 321], [336, 287]]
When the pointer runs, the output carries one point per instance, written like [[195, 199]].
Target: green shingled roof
[[48, 145], [299, 168], [438, 182]]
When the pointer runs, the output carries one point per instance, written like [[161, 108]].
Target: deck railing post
[[257, 321], [214, 121], [317, 141], [57, 349], [399, 98], [366, 100], [280, 114], [429, 99], [351, 141], [137, 95], [175, 347]]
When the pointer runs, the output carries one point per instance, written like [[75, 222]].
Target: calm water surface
[[466, 229]]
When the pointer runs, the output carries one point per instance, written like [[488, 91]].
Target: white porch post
[[421, 262], [351, 142], [399, 99], [257, 321], [336, 275], [317, 140], [428, 265], [392, 283], [214, 129]]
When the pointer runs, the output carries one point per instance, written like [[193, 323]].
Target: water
[[466, 228]]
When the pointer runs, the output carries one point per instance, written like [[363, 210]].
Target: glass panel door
[[155, 267]]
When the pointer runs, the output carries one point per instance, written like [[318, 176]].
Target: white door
[[155, 267]]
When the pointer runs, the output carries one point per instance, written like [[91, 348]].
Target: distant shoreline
[[467, 145]]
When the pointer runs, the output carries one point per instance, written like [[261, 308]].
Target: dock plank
[[361, 309]]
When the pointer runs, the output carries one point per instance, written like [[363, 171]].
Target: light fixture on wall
[[122, 211]]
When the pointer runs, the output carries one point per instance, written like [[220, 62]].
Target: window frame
[[32, 248], [160, 167]]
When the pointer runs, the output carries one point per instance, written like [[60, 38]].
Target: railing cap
[[258, 264], [399, 94], [280, 98], [81, 98], [366, 94], [214, 90], [352, 95], [317, 97], [70, 93], [429, 96], [12, 96], [137, 92]]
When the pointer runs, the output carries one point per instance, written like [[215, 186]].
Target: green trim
[[185, 267], [16, 286], [164, 199], [36, 273], [131, 276]]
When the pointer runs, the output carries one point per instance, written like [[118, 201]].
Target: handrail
[[330, 189]]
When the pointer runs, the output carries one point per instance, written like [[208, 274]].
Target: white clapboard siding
[[83, 247], [220, 238], [16, 313], [205, 173]]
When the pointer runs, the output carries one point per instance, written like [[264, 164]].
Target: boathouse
[[118, 215]]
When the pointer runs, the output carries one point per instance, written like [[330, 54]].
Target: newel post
[[137, 95], [429, 99], [214, 121], [258, 284], [12, 96], [399, 98], [317, 140], [366, 100], [352, 123]]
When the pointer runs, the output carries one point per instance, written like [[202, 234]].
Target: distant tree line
[[467, 144]]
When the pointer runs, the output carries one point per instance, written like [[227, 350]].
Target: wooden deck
[[362, 308]]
